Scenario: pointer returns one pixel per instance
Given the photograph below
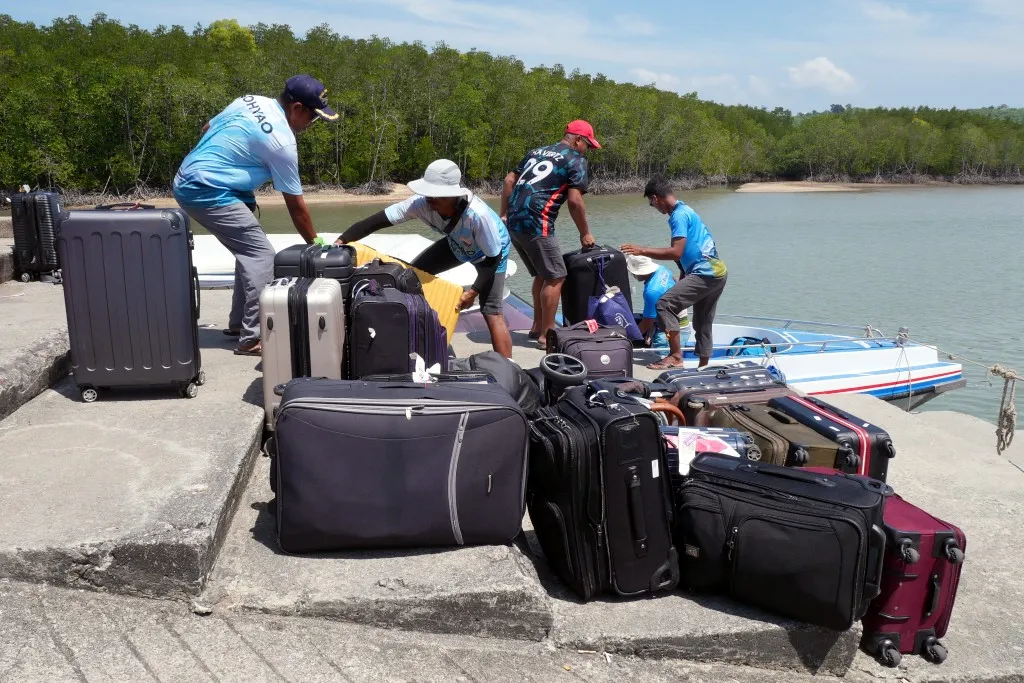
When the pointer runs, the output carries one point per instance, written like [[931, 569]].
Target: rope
[[1007, 424]]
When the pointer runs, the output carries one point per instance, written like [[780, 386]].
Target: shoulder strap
[[460, 208]]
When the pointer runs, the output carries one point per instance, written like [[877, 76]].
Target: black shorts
[[541, 254]]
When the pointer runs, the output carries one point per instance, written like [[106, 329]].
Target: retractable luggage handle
[[637, 525], [123, 205], [875, 584], [195, 280]]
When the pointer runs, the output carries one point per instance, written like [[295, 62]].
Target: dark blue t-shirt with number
[[545, 176]]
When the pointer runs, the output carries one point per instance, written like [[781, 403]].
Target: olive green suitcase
[[782, 440]]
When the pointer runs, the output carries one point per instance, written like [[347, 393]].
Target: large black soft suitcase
[[581, 280], [871, 444], [373, 465], [803, 545], [132, 299], [35, 220], [605, 351], [311, 260], [507, 374], [599, 494], [387, 326]]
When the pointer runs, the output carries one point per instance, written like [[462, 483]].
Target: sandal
[[533, 335], [665, 363], [253, 349]]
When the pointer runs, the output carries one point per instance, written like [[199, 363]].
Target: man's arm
[[510, 183], [579, 214], [673, 253], [300, 216], [206, 127]]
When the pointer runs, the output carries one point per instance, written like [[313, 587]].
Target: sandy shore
[[811, 186], [398, 192]]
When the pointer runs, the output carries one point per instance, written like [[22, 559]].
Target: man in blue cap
[[250, 142]]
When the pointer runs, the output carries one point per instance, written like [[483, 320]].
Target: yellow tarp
[[442, 295]]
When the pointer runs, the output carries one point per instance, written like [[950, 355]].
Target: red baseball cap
[[581, 127]]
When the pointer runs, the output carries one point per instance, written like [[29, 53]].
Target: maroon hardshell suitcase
[[924, 556]]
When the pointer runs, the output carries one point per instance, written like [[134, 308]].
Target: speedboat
[[817, 358]]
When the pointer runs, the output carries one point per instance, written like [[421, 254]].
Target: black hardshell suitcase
[[132, 299], [387, 326], [803, 545], [871, 444], [605, 351], [581, 279], [747, 374], [599, 495], [312, 260], [35, 221], [376, 465]]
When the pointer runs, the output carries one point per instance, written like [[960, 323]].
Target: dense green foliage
[[105, 106]]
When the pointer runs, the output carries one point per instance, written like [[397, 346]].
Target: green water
[[945, 262]]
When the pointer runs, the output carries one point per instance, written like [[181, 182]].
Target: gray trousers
[[700, 292], [237, 229]]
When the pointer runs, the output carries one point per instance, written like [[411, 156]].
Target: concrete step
[[64, 635], [131, 493], [34, 342]]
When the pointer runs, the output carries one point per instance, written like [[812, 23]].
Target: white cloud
[[892, 15], [661, 80], [635, 26], [821, 73]]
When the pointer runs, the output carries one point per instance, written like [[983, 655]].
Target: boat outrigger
[[814, 357]]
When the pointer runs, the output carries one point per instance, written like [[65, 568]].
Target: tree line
[[107, 107]]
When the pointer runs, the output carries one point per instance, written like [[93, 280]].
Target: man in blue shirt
[[472, 233], [704, 274], [532, 196], [250, 142], [657, 280]]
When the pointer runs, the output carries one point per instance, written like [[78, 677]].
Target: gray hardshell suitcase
[[399, 465], [132, 299]]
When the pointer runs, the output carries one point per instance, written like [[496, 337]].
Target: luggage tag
[[421, 374]]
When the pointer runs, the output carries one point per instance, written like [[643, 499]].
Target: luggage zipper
[[731, 543], [453, 469], [405, 407]]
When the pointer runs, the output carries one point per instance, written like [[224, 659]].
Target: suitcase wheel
[[563, 369], [89, 395], [953, 552], [934, 651], [801, 457], [201, 378], [26, 277], [190, 390], [849, 460], [889, 654], [908, 552]]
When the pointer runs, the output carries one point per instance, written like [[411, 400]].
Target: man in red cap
[[543, 181]]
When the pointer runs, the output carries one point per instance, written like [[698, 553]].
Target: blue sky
[[799, 55]]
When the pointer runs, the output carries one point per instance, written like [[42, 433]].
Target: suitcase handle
[[781, 417], [123, 205], [936, 593], [663, 406], [195, 280], [875, 584], [787, 473], [636, 511]]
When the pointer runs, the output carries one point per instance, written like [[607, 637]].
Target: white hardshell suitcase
[[302, 327]]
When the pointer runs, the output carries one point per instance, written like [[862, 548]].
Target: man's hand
[[468, 297], [632, 249], [587, 240], [339, 242]]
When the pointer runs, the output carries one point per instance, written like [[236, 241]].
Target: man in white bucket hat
[[656, 280], [473, 233]]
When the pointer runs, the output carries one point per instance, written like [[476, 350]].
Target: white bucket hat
[[640, 265], [441, 179]]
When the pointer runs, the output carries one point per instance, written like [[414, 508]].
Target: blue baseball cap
[[312, 93]]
